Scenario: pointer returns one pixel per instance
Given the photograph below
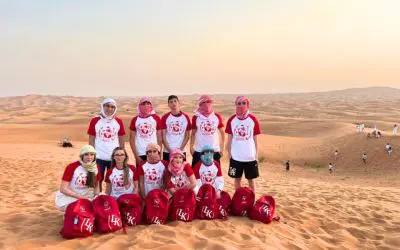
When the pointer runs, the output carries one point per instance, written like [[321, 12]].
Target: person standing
[[242, 129], [207, 129], [175, 127], [106, 132], [145, 128]]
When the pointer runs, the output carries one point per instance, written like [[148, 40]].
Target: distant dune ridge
[[356, 207]]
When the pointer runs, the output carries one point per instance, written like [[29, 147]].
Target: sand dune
[[357, 207]]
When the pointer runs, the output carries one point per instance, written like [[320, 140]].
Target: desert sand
[[356, 207]]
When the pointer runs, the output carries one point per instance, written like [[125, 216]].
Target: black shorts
[[166, 156], [236, 169], [197, 155]]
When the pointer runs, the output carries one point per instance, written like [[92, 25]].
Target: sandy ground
[[356, 207]]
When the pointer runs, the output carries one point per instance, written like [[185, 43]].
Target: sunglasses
[[152, 151], [208, 152], [119, 155], [241, 103], [109, 106]]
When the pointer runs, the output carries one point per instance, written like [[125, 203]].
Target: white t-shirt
[[243, 146], [182, 180], [209, 175], [106, 133], [76, 175], [207, 131], [153, 175], [115, 177], [176, 127], [146, 131]]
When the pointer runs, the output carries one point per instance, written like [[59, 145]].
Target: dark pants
[[166, 156], [104, 165], [196, 157]]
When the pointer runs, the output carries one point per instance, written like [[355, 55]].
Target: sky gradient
[[134, 48]]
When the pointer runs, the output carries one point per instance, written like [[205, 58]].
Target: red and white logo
[[180, 181], [146, 130], [152, 176], [264, 209], [207, 212], [88, 225], [107, 133], [118, 181], [106, 205], [207, 127], [175, 128], [242, 132], [182, 214], [81, 180], [207, 177]]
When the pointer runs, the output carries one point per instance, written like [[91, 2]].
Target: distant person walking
[[395, 129], [389, 148], [330, 168], [364, 158], [335, 155], [287, 165]]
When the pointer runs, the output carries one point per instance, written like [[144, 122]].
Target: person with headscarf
[[145, 128], [175, 128], [106, 132], [151, 171], [80, 179], [242, 129], [208, 171], [179, 173], [207, 129], [122, 178]]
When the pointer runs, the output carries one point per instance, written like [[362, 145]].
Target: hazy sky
[[131, 48]]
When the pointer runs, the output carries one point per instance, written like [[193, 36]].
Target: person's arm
[[91, 140], [141, 186], [221, 141], [256, 143], [229, 145], [192, 140], [64, 188], [132, 136], [97, 188], [164, 140], [121, 140], [108, 188], [135, 184], [159, 139], [192, 183], [185, 140]]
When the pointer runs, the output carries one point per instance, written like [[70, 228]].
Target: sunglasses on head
[[241, 103], [152, 151], [208, 152]]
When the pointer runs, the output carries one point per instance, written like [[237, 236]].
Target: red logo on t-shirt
[[242, 133], [107, 133], [207, 177], [152, 176], [180, 181], [146, 130], [175, 128], [81, 180], [118, 181], [207, 127]]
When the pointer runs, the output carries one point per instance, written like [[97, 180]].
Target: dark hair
[[125, 164], [91, 180], [172, 97]]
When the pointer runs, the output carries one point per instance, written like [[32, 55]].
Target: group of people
[[158, 145]]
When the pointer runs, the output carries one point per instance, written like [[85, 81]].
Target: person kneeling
[[208, 171], [80, 179], [121, 178], [179, 174]]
